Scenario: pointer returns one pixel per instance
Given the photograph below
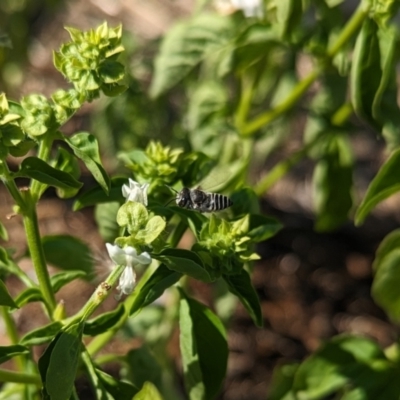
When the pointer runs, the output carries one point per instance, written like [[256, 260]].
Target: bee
[[196, 199]]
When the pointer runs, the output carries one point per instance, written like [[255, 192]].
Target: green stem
[[247, 85], [18, 377], [282, 168], [271, 115], [101, 340], [100, 294], [347, 33], [44, 154], [12, 334], [349, 30], [342, 114], [12, 187], [38, 258]]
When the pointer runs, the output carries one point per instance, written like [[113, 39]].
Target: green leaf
[[63, 362], [195, 220], [384, 184], [61, 279], [240, 285], [5, 297], [288, 13], [117, 388], [96, 195], [389, 243], [68, 253], [204, 349], [85, 147], [106, 218], [3, 232], [185, 262], [385, 289], [66, 162], [366, 71], [7, 352], [35, 168], [143, 367], [282, 382], [245, 201], [42, 335], [207, 117], [161, 279], [334, 365], [104, 322], [155, 225], [333, 171], [185, 46], [133, 215], [29, 295], [261, 228], [148, 392], [7, 265]]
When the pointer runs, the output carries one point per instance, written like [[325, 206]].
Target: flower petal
[[116, 254]]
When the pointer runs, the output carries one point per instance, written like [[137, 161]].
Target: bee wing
[[221, 177]]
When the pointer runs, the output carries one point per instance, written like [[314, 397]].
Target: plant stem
[[43, 154], [348, 31], [12, 187], [101, 340], [271, 115], [100, 294], [12, 334], [38, 258], [281, 169], [18, 377]]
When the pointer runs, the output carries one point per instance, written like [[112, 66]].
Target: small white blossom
[[129, 257], [250, 8], [135, 192]]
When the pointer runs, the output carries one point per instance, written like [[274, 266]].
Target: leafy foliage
[[236, 80]]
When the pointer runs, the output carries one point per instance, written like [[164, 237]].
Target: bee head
[[183, 198]]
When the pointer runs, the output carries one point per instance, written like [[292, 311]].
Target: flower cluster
[[143, 230], [163, 165]]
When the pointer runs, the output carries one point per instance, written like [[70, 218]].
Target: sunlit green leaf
[[63, 362], [29, 295], [7, 352], [384, 184], [184, 262], [161, 279], [42, 335], [203, 347], [35, 168], [240, 285], [104, 322], [148, 392], [62, 278], [85, 147], [185, 45]]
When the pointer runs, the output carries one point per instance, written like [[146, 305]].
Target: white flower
[[129, 257], [250, 8], [135, 192]]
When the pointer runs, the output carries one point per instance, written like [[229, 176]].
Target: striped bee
[[196, 199]]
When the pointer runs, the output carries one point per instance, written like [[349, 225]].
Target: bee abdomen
[[219, 202]]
